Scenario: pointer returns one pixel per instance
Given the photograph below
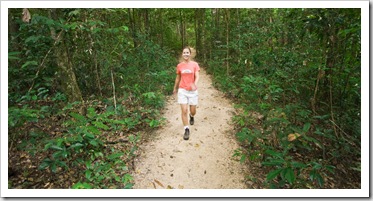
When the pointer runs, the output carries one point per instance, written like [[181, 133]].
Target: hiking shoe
[[191, 120], [186, 134]]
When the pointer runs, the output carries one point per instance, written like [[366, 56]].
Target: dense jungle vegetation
[[87, 85]]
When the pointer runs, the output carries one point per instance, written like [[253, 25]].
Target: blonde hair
[[193, 54]]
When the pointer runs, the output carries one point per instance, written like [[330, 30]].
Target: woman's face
[[186, 54]]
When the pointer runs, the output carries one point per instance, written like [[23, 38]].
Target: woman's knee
[[184, 110]]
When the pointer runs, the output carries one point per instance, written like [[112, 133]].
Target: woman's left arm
[[196, 78]]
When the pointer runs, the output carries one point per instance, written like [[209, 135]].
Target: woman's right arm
[[177, 81]]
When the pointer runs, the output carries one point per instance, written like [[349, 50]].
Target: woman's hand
[[193, 87], [175, 91]]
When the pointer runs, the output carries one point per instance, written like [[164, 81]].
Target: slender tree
[[66, 72]]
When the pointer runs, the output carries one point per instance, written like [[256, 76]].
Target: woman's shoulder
[[189, 63], [194, 62]]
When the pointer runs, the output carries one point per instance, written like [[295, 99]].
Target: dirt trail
[[205, 160]]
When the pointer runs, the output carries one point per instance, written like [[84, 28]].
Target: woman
[[186, 87]]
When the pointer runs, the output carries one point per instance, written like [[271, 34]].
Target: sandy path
[[205, 160]]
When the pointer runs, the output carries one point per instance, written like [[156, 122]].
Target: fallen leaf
[[169, 187], [293, 136], [159, 183]]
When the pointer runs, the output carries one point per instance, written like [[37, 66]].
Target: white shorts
[[187, 97]]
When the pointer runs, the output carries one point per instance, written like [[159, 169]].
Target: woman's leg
[[184, 117], [193, 101], [184, 114], [193, 110]]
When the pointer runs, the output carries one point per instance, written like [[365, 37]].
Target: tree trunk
[[239, 38], [203, 33], [161, 27], [197, 30], [227, 37], [217, 24], [13, 29], [198, 23], [93, 54], [146, 23], [65, 72], [182, 29], [131, 16]]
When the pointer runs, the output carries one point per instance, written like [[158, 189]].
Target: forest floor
[[205, 161]]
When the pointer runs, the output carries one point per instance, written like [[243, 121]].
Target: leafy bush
[[82, 144], [18, 116]]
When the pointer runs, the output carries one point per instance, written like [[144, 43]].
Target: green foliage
[[83, 143], [108, 170], [31, 142], [13, 55], [153, 100], [80, 185], [24, 63], [297, 87], [18, 116], [287, 171], [285, 167]]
